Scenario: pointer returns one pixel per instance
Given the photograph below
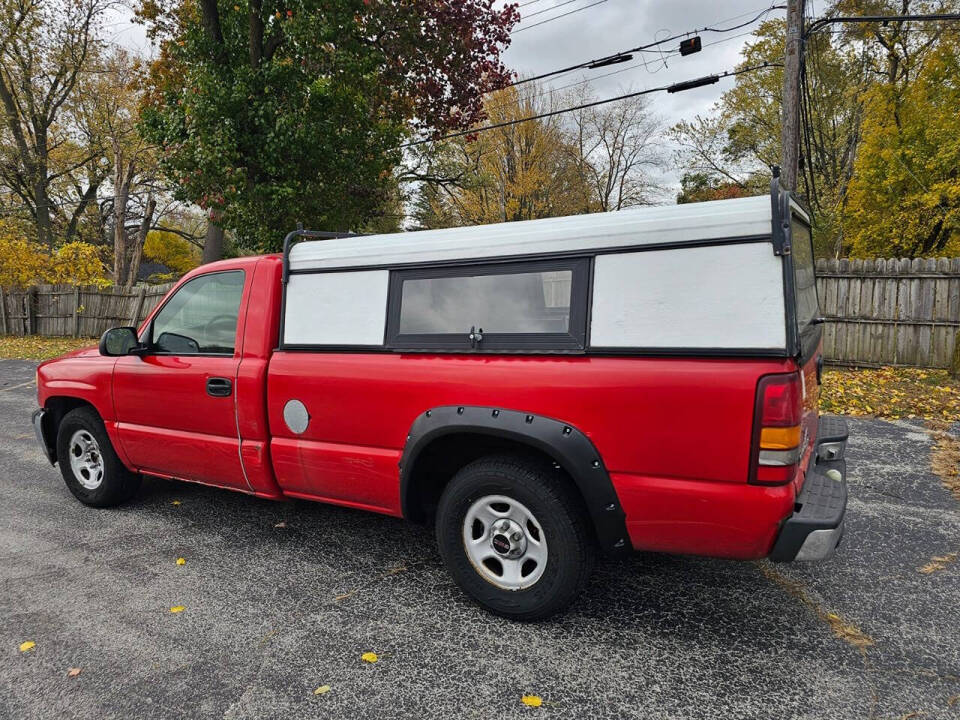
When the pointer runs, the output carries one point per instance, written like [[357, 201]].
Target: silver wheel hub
[[86, 462], [504, 542]]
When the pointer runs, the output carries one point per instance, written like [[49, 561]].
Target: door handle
[[219, 387]]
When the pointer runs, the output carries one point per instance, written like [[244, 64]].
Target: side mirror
[[118, 341]]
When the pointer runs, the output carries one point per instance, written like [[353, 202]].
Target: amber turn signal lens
[[780, 438]]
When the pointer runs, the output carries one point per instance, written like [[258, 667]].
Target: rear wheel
[[88, 463], [514, 537]]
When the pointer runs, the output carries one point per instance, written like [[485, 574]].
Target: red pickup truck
[[540, 391]]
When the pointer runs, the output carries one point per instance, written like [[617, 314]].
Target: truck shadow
[[678, 597]]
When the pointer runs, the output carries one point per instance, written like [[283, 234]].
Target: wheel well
[[437, 463], [57, 408]]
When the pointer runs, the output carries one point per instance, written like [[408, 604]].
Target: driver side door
[[175, 405]]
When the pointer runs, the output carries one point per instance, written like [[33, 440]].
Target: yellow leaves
[[35, 347], [322, 690], [532, 700], [181, 561], [28, 645], [938, 563], [73, 672], [370, 657], [177, 609], [175, 503], [170, 249], [891, 393]]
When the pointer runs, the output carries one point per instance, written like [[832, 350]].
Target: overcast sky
[[607, 27]]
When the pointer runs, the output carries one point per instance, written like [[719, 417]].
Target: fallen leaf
[[322, 690], [30, 645], [181, 561], [177, 608], [73, 672], [175, 502], [370, 657], [280, 524], [532, 700]]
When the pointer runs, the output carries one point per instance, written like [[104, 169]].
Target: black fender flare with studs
[[571, 449]]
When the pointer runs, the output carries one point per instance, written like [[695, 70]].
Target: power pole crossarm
[[790, 125]]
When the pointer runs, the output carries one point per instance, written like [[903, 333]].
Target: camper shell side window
[[536, 305]]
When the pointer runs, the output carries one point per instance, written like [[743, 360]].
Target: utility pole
[[790, 120]]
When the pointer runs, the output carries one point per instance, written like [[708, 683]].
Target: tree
[[110, 113], [702, 187], [592, 161], [846, 75], [517, 172], [24, 262], [905, 193], [276, 112], [618, 145], [44, 47]]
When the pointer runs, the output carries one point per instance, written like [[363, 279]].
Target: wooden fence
[[879, 312], [890, 311], [69, 310]]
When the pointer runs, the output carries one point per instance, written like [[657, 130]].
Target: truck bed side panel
[[673, 432]]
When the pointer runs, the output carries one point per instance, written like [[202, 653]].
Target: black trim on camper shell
[[569, 447], [574, 340], [802, 343]]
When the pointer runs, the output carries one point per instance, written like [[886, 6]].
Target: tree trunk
[[213, 242], [122, 179], [137, 254], [44, 226]]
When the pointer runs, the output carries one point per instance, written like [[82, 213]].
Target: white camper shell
[[727, 277]]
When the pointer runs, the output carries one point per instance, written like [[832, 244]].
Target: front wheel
[[515, 537], [88, 463]]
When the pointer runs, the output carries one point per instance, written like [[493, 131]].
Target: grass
[[32, 347]]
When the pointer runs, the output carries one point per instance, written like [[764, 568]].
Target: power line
[[641, 63], [675, 87], [549, 9], [641, 48], [544, 22]]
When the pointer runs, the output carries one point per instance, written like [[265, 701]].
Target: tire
[[511, 581], [88, 462]]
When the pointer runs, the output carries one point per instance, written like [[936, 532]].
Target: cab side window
[[201, 317]]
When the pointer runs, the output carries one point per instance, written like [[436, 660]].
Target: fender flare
[[565, 443]]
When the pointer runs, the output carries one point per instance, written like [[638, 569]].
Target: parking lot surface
[[282, 598]]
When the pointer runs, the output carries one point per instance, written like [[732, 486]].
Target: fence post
[[76, 311], [31, 301], [138, 306], [955, 360], [3, 312]]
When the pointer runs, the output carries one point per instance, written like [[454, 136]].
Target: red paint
[[674, 433]]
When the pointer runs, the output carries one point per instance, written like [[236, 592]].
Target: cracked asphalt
[[271, 613]]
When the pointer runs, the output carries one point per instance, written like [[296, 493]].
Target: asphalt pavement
[[282, 598]]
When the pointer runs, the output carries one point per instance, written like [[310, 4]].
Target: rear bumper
[[815, 529]]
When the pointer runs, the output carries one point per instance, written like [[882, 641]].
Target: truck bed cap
[[669, 225]]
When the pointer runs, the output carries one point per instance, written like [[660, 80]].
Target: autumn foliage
[[25, 262]]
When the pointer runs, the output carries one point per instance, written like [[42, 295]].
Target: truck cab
[[540, 391]]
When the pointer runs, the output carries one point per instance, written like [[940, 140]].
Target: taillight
[[777, 429]]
